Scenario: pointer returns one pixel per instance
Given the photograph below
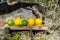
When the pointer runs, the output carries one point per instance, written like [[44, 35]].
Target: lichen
[[52, 16]]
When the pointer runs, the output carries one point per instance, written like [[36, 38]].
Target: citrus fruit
[[38, 21], [10, 22], [30, 21], [24, 22], [18, 21]]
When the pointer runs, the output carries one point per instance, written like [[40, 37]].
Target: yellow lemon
[[30, 21], [18, 21], [38, 21]]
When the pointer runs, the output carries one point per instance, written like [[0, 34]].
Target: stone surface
[[51, 18]]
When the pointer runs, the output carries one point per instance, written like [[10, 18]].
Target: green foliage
[[14, 36]]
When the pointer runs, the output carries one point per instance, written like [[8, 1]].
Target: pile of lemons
[[28, 22]]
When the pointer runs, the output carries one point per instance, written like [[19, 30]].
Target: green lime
[[13, 24], [24, 23], [19, 25], [16, 25], [10, 22]]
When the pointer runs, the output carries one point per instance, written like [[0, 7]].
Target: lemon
[[10, 22], [38, 21], [18, 21], [24, 23], [30, 21]]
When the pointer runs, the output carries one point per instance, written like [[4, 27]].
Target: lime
[[10, 22], [13, 24], [24, 23]]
